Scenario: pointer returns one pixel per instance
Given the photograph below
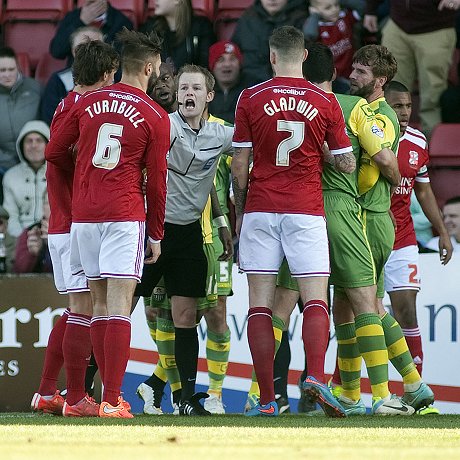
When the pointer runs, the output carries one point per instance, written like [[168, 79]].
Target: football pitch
[[229, 437]]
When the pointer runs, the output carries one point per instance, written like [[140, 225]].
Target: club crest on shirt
[[377, 131], [413, 158]]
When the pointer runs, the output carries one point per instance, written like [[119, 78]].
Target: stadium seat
[[200, 8], [445, 145], [43, 10], [228, 13], [29, 25], [444, 167], [46, 66], [132, 9], [24, 64]]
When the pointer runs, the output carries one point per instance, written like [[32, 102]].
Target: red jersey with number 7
[[286, 122], [120, 131]]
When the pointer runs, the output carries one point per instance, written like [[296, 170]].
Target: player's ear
[[305, 54], [272, 57], [148, 69], [210, 96]]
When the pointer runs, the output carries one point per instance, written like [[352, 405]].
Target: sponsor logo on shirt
[[295, 92], [126, 97], [377, 131], [209, 163]]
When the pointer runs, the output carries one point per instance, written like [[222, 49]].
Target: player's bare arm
[[388, 166], [427, 200], [240, 181], [221, 224], [346, 162]]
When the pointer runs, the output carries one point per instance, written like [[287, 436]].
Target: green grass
[[230, 437]]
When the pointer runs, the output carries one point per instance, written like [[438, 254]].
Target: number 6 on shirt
[[108, 147]]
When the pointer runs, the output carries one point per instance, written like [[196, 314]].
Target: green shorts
[[381, 235], [350, 254], [285, 279], [159, 298], [223, 268]]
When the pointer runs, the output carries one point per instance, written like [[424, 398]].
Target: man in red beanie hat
[[225, 59]]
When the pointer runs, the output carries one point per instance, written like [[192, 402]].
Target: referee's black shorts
[[182, 263]]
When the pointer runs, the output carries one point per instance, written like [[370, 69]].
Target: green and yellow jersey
[[363, 131], [373, 186]]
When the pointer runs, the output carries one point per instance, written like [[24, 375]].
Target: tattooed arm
[[240, 180], [345, 163]]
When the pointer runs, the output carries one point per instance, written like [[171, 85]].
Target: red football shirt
[[59, 181], [338, 36], [412, 160], [286, 121], [120, 131]]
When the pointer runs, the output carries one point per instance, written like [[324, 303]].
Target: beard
[[365, 91]]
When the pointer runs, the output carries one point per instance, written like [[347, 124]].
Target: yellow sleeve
[[382, 136]]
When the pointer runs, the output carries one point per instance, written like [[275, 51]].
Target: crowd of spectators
[[420, 33]]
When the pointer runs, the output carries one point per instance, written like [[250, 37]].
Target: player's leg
[[120, 262], [77, 346], [402, 282], [47, 398], [305, 244], [380, 232], [218, 332], [217, 353], [185, 280], [151, 390], [260, 256]]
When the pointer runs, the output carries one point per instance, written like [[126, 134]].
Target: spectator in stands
[[450, 101], [451, 212], [24, 184], [255, 27], [32, 253], [186, 37], [61, 82], [19, 103], [333, 24], [421, 36], [97, 13], [10, 241], [225, 61]]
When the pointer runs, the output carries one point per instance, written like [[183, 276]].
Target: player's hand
[[238, 223], [445, 249], [227, 242], [34, 241], [370, 23], [91, 10], [153, 252]]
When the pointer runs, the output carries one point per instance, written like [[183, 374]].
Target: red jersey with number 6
[[286, 122], [59, 181], [120, 131], [412, 160]]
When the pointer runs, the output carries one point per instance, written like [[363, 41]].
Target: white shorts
[[267, 237], [59, 247], [401, 270], [107, 250]]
